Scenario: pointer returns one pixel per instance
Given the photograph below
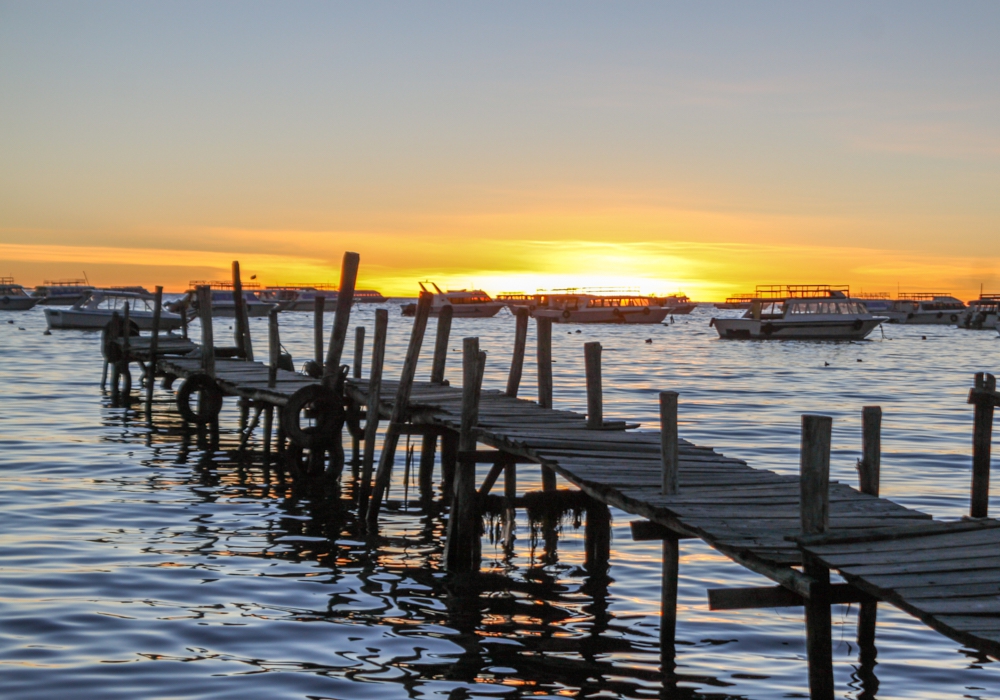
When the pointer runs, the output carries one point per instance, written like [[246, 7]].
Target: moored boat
[[302, 297], [13, 297], [801, 312], [982, 313], [588, 306], [223, 303], [876, 302], [62, 292], [95, 310], [740, 301], [926, 307], [676, 304], [465, 303]]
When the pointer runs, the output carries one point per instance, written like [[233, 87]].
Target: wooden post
[[815, 517], [273, 347], [595, 407], [400, 408], [185, 305], [544, 354], [871, 450], [441, 343], [359, 348], [319, 303], [207, 341], [462, 545], [543, 328], [668, 605], [126, 332], [242, 320], [517, 361], [374, 401], [869, 467], [154, 343], [982, 437], [669, 442], [345, 298], [597, 536]]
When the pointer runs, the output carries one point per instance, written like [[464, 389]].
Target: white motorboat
[[13, 297], [62, 292], [465, 303], [876, 302], [982, 313], [302, 297], [926, 308], [95, 310], [801, 312], [676, 304], [566, 306], [223, 303]]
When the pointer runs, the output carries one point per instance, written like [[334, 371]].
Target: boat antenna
[[437, 288], [85, 277], [422, 287]]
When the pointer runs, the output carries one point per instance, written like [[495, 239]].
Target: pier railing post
[[595, 398], [319, 302], [207, 341], [543, 328], [462, 545], [441, 343], [374, 402], [342, 319], [400, 408], [869, 468], [984, 397], [154, 346], [814, 506], [517, 360], [273, 347]]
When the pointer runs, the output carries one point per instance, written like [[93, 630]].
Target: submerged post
[[207, 341], [345, 298], [318, 304], [462, 546], [669, 442], [400, 408], [984, 396], [374, 401], [517, 361], [815, 517], [441, 343], [154, 346]]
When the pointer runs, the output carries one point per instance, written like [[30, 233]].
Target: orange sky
[[665, 148]]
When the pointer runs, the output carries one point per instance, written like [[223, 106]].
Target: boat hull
[[253, 311], [17, 302], [680, 309], [644, 315], [978, 321], [936, 318], [72, 319], [779, 329], [485, 310]]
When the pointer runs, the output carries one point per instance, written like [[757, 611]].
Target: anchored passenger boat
[[223, 303], [927, 308], [95, 310], [302, 297], [465, 303], [801, 312], [982, 313], [62, 292], [13, 297], [570, 306], [740, 301], [676, 304]]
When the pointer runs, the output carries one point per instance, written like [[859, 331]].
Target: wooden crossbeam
[[778, 597]]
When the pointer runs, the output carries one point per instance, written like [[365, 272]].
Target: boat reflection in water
[[801, 312]]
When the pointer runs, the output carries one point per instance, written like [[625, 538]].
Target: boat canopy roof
[[221, 284], [802, 291]]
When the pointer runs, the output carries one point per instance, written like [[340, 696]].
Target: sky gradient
[[703, 147]]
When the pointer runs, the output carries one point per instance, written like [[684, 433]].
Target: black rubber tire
[[211, 399], [566, 314], [328, 409], [954, 318], [858, 324], [646, 311], [940, 314]]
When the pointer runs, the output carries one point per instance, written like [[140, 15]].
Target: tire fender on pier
[[211, 399], [327, 410]]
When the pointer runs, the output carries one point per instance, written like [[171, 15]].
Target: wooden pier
[[793, 529]]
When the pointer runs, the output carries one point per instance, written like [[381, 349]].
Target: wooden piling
[[463, 540], [319, 302], [359, 348], [207, 341], [399, 408], [595, 398], [342, 319], [374, 400], [982, 437], [669, 441], [242, 320], [517, 360], [597, 536], [273, 347], [441, 343], [126, 332], [185, 305], [668, 605], [154, 342], [815, 517], [543, 355], [871, 450]]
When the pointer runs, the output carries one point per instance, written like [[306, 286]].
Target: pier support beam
[[815, 517], [154, 346], [428, 446], [984, 397], [595, 393], [543, 327], [869, 471], [517, 359], [372, 414]]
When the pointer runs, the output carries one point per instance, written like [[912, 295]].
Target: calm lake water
[[135, 564]]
